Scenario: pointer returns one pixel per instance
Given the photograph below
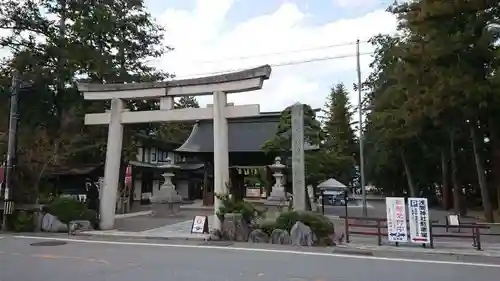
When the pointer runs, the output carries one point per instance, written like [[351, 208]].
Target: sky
[[214, 36]]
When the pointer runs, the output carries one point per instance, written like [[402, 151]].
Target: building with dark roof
[[246, 136]]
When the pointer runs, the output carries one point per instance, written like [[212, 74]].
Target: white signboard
[[418, 210], [453, 220], [200, 225], [396, 219]]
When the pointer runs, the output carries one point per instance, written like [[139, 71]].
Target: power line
[[297, 62], [282, 53]]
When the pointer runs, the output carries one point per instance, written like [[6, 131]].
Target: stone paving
[[180, 227], [147, 226]]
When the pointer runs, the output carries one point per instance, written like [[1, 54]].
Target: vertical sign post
[[298, 177], [418, 209], [396, 219]]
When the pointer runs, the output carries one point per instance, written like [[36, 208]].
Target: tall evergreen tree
[[433, 100], [340, 140]]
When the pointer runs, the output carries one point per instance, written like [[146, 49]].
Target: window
[[153, 155], [162, 156], [146, 156], [178, 158]]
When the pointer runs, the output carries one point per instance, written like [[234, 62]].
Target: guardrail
[[380, 226]]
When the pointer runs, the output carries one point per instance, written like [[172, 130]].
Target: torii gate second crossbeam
[[218, 86]]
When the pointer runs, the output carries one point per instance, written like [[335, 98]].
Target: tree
[[433, 99], [469, 58], [178, 132], [281, 143], [340, 142], [94, 41]]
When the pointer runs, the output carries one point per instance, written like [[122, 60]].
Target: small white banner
[[396, 219], [418, 210]]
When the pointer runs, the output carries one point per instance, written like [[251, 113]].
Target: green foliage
[[100, 42], [23, 222], [178, 132], [281, 143], [340, 148], [68, 209], [229, 205], [432, 99], [267, 226], [320, 225]]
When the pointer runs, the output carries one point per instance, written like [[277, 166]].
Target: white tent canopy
[[332, 184]]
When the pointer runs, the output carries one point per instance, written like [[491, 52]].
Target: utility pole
[[361, 153], [11, 149]]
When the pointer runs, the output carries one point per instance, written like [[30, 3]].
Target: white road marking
[[260, 250]]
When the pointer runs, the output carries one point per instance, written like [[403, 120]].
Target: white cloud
[[203, 34], [356, 3]]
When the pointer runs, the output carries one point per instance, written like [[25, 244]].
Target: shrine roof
[[244, 134]]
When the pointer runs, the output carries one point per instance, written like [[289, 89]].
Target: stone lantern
[[166, 201], [278, 195]]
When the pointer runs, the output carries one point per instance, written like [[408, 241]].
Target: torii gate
[[218, 86]]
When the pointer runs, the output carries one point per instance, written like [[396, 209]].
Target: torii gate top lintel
[[240, 81]]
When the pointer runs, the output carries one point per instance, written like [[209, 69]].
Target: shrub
[[67, 210], [23, 222], [267, 226], [286, 220], [320, 225], [229, 205]]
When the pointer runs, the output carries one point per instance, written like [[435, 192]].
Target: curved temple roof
[[258, 72], [244, 135]]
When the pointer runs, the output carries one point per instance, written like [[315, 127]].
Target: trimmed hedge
[[68, 209], [320, 225]]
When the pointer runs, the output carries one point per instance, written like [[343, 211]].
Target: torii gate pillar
[[109, 194], [218, 86]]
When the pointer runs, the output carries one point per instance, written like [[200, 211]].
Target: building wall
[[153, 155]]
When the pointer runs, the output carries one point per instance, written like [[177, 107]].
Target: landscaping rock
[[301, 235], [82, 225], [51, 223], [214, 235], [235, 228], [339, 237], [258, 236], [280, 236]]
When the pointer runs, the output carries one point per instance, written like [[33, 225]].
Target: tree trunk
[[495, 145], [481, 177], [445, 189], [457, 190], [409, 179]]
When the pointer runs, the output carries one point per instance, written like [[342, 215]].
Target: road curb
[[451, 256], [350, 251], [145, 237]]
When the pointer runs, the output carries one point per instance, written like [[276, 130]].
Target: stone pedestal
[[278, 197], [166, 201]]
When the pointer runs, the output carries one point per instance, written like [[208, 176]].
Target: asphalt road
[[97, 261]]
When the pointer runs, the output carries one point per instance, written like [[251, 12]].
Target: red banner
[[128, 175]]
